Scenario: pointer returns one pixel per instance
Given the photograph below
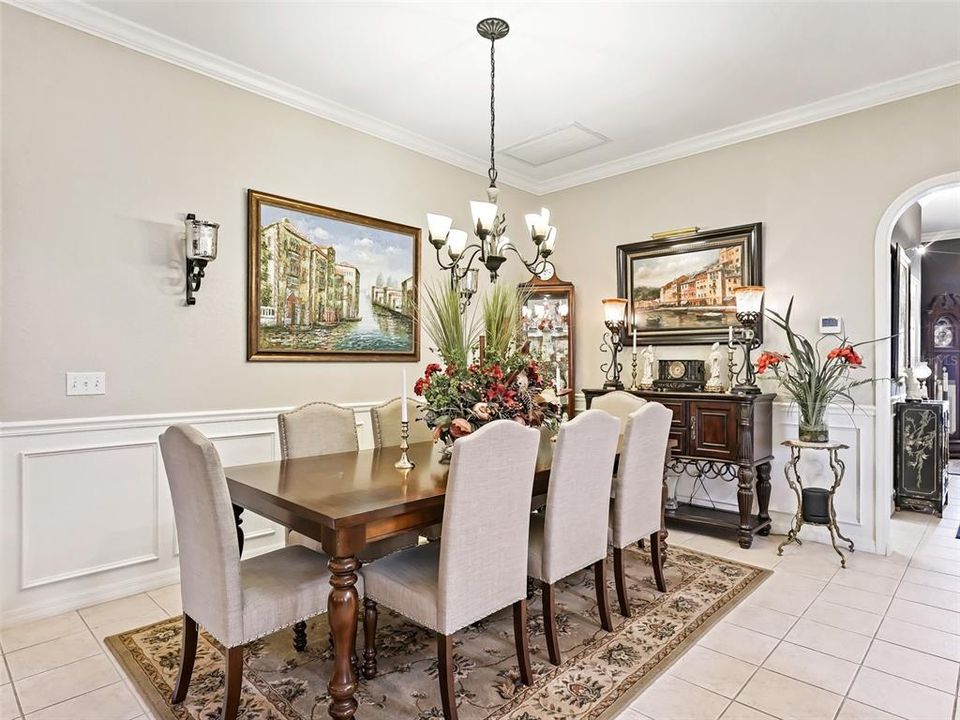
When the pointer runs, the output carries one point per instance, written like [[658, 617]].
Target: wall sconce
[[749, 299], [201, 242], [614, 317]]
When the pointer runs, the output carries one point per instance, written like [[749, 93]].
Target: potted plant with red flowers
[[811, 380], [461, 396]]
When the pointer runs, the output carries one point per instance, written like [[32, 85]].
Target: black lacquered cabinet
[[921, 447]]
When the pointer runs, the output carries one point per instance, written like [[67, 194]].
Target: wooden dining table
[[344, 501]]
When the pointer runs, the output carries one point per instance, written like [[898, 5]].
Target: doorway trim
[[883, 420]]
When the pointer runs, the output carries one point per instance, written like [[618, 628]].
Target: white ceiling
[[660, 80], [940, 212]]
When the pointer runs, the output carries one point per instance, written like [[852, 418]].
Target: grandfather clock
[[941, 329], [548, 325]]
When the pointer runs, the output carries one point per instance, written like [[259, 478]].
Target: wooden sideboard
[[726, 436]]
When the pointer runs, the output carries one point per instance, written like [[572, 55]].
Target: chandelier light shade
[[489, 223]]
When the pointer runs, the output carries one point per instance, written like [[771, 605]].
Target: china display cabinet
[[548, 325]]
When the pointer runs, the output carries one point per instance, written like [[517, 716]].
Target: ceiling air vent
[[556, 144]]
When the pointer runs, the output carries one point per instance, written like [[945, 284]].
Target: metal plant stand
[[815, 504]]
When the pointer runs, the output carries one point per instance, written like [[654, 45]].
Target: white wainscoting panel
[[85, 511], [64, 491]]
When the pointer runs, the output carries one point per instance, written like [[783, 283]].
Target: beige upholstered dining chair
[[618, 403], [322, 428], [236, 602], [572, 533], [448, 585], [638, 492], [317, 428], [386, 424]]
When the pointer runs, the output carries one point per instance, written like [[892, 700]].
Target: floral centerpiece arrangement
[[469, 391], [812, 381]]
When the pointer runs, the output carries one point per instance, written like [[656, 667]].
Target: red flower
[[768, 359], [450, 370], [431, 369], [846, 354], [496, 371], [421, 386]]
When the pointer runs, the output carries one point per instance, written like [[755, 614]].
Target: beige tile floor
[[878, 640]]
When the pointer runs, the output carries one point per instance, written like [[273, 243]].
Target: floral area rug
[[600, 673]]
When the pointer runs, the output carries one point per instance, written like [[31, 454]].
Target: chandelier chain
[[492, 172]]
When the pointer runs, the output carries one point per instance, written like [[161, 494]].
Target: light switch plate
[[86, 383]]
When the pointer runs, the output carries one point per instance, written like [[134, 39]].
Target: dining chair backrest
[[206, 532], [618, 403], [386, 424], [486, 521], [578, 498], [317, 428], [638, 485]]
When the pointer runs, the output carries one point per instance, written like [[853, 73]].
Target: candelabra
[[404, 463], [749, 300], [633, 385]]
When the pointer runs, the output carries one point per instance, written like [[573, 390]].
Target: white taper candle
[[403, 401]]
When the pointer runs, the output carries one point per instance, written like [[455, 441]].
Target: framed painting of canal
[[680, 288], [329, 285]]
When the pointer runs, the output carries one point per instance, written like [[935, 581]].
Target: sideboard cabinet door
[[713, 430]]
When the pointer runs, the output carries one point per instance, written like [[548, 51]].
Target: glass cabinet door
[[548, 320]]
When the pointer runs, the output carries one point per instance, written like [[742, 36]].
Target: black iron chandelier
[[489, 224]]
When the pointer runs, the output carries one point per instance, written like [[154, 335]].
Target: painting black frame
[[749, 236]]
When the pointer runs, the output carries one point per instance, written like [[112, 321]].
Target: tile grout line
[[103, 650], [13, 687], [72, 697]]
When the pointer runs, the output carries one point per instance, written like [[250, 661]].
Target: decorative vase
[[814, 430]]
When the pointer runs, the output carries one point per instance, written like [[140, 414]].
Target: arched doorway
[[883, 423]]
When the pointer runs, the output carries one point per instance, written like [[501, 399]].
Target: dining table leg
[[343, 609]]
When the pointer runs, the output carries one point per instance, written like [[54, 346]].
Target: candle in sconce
[[403, 401], [730, 335], [634, 341], [557, 383]]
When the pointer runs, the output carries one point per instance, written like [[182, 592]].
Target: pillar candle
[[403, 406]]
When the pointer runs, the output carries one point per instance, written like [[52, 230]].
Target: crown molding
[[871, 96], [92, 20], [932, 237]]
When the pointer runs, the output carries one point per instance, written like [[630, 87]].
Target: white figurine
[[646, 379], [713, 365], [914, 390]]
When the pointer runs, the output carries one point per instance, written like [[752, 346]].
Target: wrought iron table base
[[838, 467]]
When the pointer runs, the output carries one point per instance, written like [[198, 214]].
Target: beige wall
[[819, 190], [104, 150]]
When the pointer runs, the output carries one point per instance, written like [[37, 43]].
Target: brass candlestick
[[404, 463], [633, 385]]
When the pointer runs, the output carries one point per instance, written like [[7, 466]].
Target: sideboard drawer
[[679, 438], [679, 408]]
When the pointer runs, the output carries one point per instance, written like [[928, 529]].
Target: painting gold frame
[[257, 352]]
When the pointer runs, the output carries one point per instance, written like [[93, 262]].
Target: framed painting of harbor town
[[329, 285], [680, 289]]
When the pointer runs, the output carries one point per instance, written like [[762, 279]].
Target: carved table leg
[[237, 512], [797, 486], [342, 608], [763, 497], [838, 467], [745, 502]]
